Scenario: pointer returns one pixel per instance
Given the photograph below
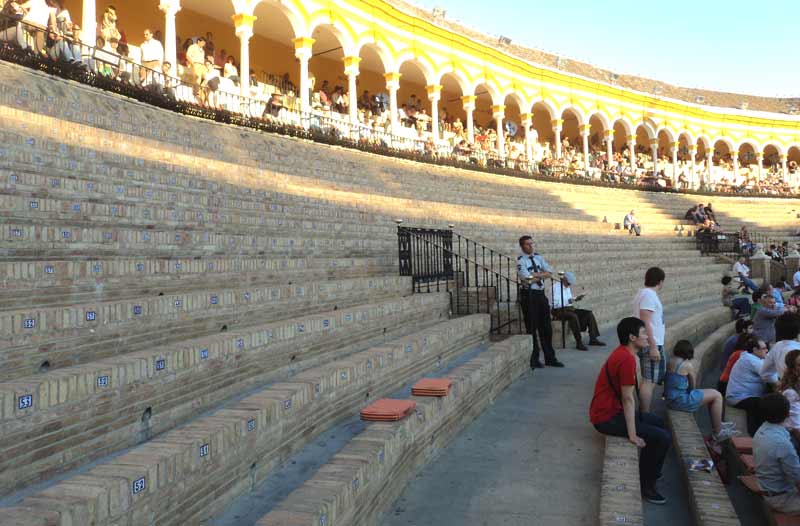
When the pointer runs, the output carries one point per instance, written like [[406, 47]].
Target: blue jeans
[[749, 284], [657, 438]]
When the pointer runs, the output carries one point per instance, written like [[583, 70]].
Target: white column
[[654, 151], [632, 150], [760, 160], [351, 70], [244, 30], [675, 147], [557, 123], [499, 113], [302, 50], [585, 129], [710, 163], [609, 135], [469, 108], [785, 168], [170, 8], [393, 84], [434, 95], [526, 119], [735, 157], [692, 171], [89, 22]]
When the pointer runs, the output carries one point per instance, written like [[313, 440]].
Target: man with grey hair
[[579, 320]]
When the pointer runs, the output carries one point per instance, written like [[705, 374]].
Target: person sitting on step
[[631, 224], [579, 320], [681, 395], [777, 463]]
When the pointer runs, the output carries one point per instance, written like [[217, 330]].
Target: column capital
[[654, 142], [469, 99], [759, 155], [585, 129], [676, 145], [302, 47], [734, 155], [434, 91], [351, 65], [499, 111], [526, 118], [608, 133], [392, 81], [557, 123], [632, 138], [242, 20], [784, 157], [170, 7], [692, 147]]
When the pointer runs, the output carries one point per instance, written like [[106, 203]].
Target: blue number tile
[[90, 186], [29, 323], [204, 450], [34, 205], [139, 485], [178, 304], [108, 235], [146, 236], [25, 402], [16, 232], [287, 404], [301, 327], [204, 354], [91, 316], [317, 388], [409, 348], [66, 234], [251, 425], [161, 364], [97, 268], [240, 343], [140, 267], [76, 207], [178, 266], [49, 269], [356, 484], [326, 324], [114, 210], [344, 375], [12, 178], [214, 300], [102, 381], [348, 317], [323, 520]]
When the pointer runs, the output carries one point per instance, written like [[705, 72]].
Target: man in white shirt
[[578, 320], [742, 271], [632, 224], [152, 56], [647, 307], [787, 329]]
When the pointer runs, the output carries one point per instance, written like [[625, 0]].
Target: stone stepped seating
[[219, 455], [107, 398], [367, 475]]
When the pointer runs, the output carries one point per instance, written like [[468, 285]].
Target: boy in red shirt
[[613, 409]]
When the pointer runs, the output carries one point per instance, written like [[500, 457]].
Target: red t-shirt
[[607, 399], [726, 374]]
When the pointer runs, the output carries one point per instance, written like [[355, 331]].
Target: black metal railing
[[718, 243], [478, 279]]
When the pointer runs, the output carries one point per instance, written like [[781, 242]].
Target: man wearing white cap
[[578, 320]]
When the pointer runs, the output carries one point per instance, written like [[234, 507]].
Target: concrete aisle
[[531, 459]]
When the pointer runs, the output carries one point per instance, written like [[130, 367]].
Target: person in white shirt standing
[[742, 271], [647, 307], [152, 57], [787, 330], [579, 320]]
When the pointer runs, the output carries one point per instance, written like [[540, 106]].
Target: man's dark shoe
[[536, 364], [597, 343], [653, 497], [581, 347], [555, 363]]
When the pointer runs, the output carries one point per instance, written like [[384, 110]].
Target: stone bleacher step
[[216, 454], [366, 476]]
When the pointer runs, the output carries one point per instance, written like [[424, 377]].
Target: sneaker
[[728, 425], [653, 497], [724, 434], [554, 364]]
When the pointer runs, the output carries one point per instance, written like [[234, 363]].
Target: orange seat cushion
[[751, 482], [432, 387], [743, 444], [388, 410], [749, 463]]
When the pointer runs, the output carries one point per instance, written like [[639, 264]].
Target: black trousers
[[536, 314], [578, 320], [755, 417], [657, 438]]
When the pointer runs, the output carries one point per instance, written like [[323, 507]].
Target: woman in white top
[[647, 307], [790, 387], [42, 16], [230, 71]]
